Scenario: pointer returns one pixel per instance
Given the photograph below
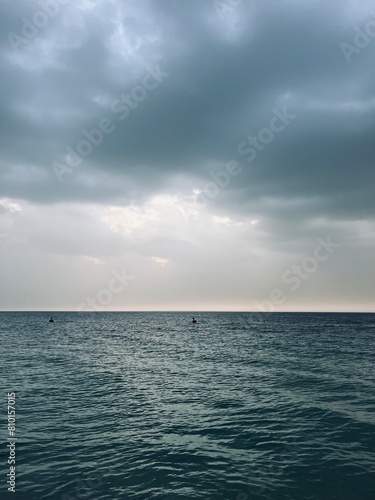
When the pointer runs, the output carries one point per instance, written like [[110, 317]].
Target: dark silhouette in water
[[193, 320], [50, 320]]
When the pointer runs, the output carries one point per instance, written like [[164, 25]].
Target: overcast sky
[[187, 155]]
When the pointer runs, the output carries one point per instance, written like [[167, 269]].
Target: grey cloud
[[226, 75]]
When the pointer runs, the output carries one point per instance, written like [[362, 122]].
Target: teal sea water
[[148, 406]]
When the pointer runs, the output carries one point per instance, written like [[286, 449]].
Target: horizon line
[[49, 311]]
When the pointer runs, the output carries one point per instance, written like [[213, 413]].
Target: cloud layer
[[119, 121]]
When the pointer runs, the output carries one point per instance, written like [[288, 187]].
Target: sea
[[148, 406]]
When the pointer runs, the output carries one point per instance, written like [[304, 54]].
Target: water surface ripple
[[149, 406]]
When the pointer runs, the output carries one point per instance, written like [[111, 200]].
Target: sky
[[187, 155]]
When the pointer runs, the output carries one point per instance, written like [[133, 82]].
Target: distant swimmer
[[193, 320], [50, 320]]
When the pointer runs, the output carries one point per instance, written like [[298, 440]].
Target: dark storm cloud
[[225, 76]]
